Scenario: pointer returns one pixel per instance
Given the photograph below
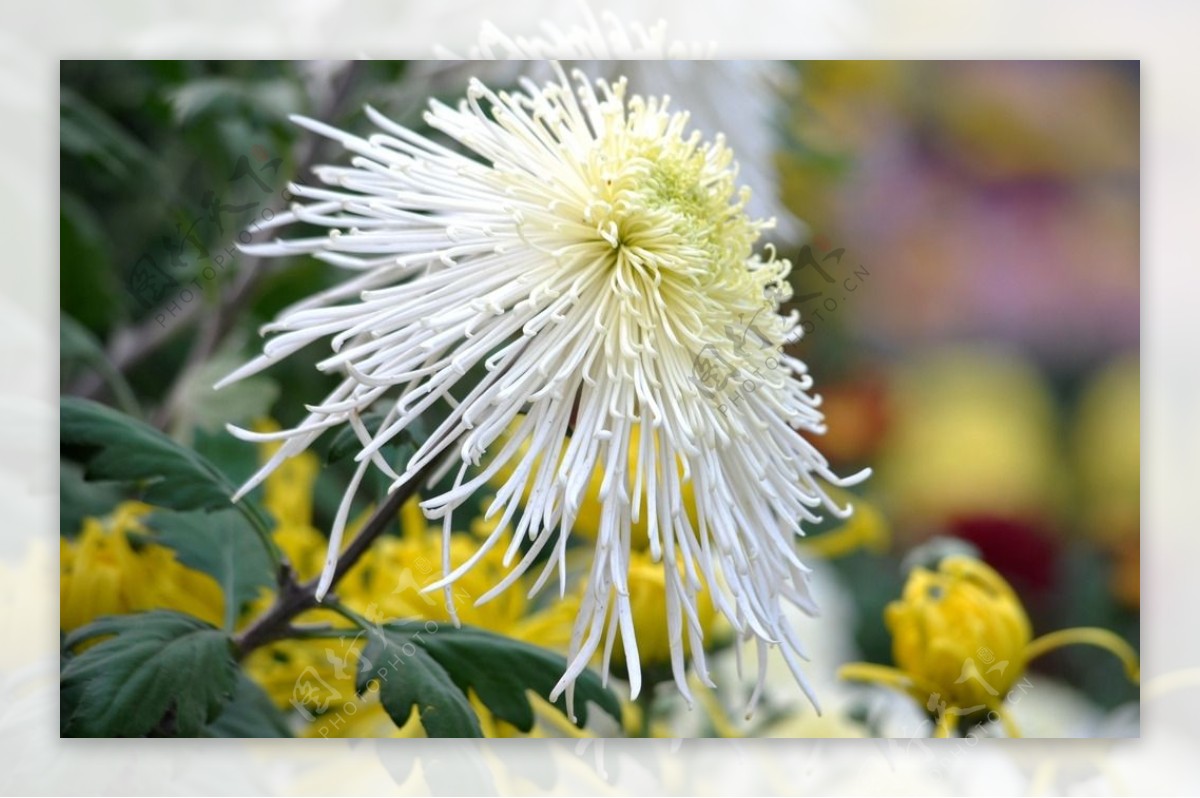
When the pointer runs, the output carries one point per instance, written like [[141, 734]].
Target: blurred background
[[964, 237], [981, 346]]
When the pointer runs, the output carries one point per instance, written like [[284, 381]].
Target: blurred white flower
[[1045, 707], [604, 37]]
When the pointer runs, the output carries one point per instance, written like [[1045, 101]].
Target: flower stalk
[[295, 597]]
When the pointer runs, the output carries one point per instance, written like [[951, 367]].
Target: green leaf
[[222, 545], [407, 676], [161, 671], [250, 713], [125, 449], [121, 448], [499, 670], [78, 498]]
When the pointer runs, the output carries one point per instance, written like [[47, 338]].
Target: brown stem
[[294, 597]]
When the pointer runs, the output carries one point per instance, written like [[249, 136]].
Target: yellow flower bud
[[961, 639], [961, 631]]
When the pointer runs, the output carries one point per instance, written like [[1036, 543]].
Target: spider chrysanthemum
[[575, 275]]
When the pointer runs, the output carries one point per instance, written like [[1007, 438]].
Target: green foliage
[[160, 672], [220, 545], [249, 714], [410, 677], [150, 149], [88, 286], [436, 669], [78, 498], [122, 448], [117, 447]]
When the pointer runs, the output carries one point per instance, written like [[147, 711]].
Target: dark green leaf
[[499, 670], [89, 289], [78, 498], [249, 714], [222, 545], [118, 447], [407, 676], [125, 449], [160, 672]]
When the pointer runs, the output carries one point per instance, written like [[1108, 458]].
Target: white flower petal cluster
[[589, 263]]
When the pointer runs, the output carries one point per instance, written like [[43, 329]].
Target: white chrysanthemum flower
[[596, 260]]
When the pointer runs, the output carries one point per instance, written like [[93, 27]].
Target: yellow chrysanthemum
[[952, 623], [103, 572], [961, 639], [316, 677]]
